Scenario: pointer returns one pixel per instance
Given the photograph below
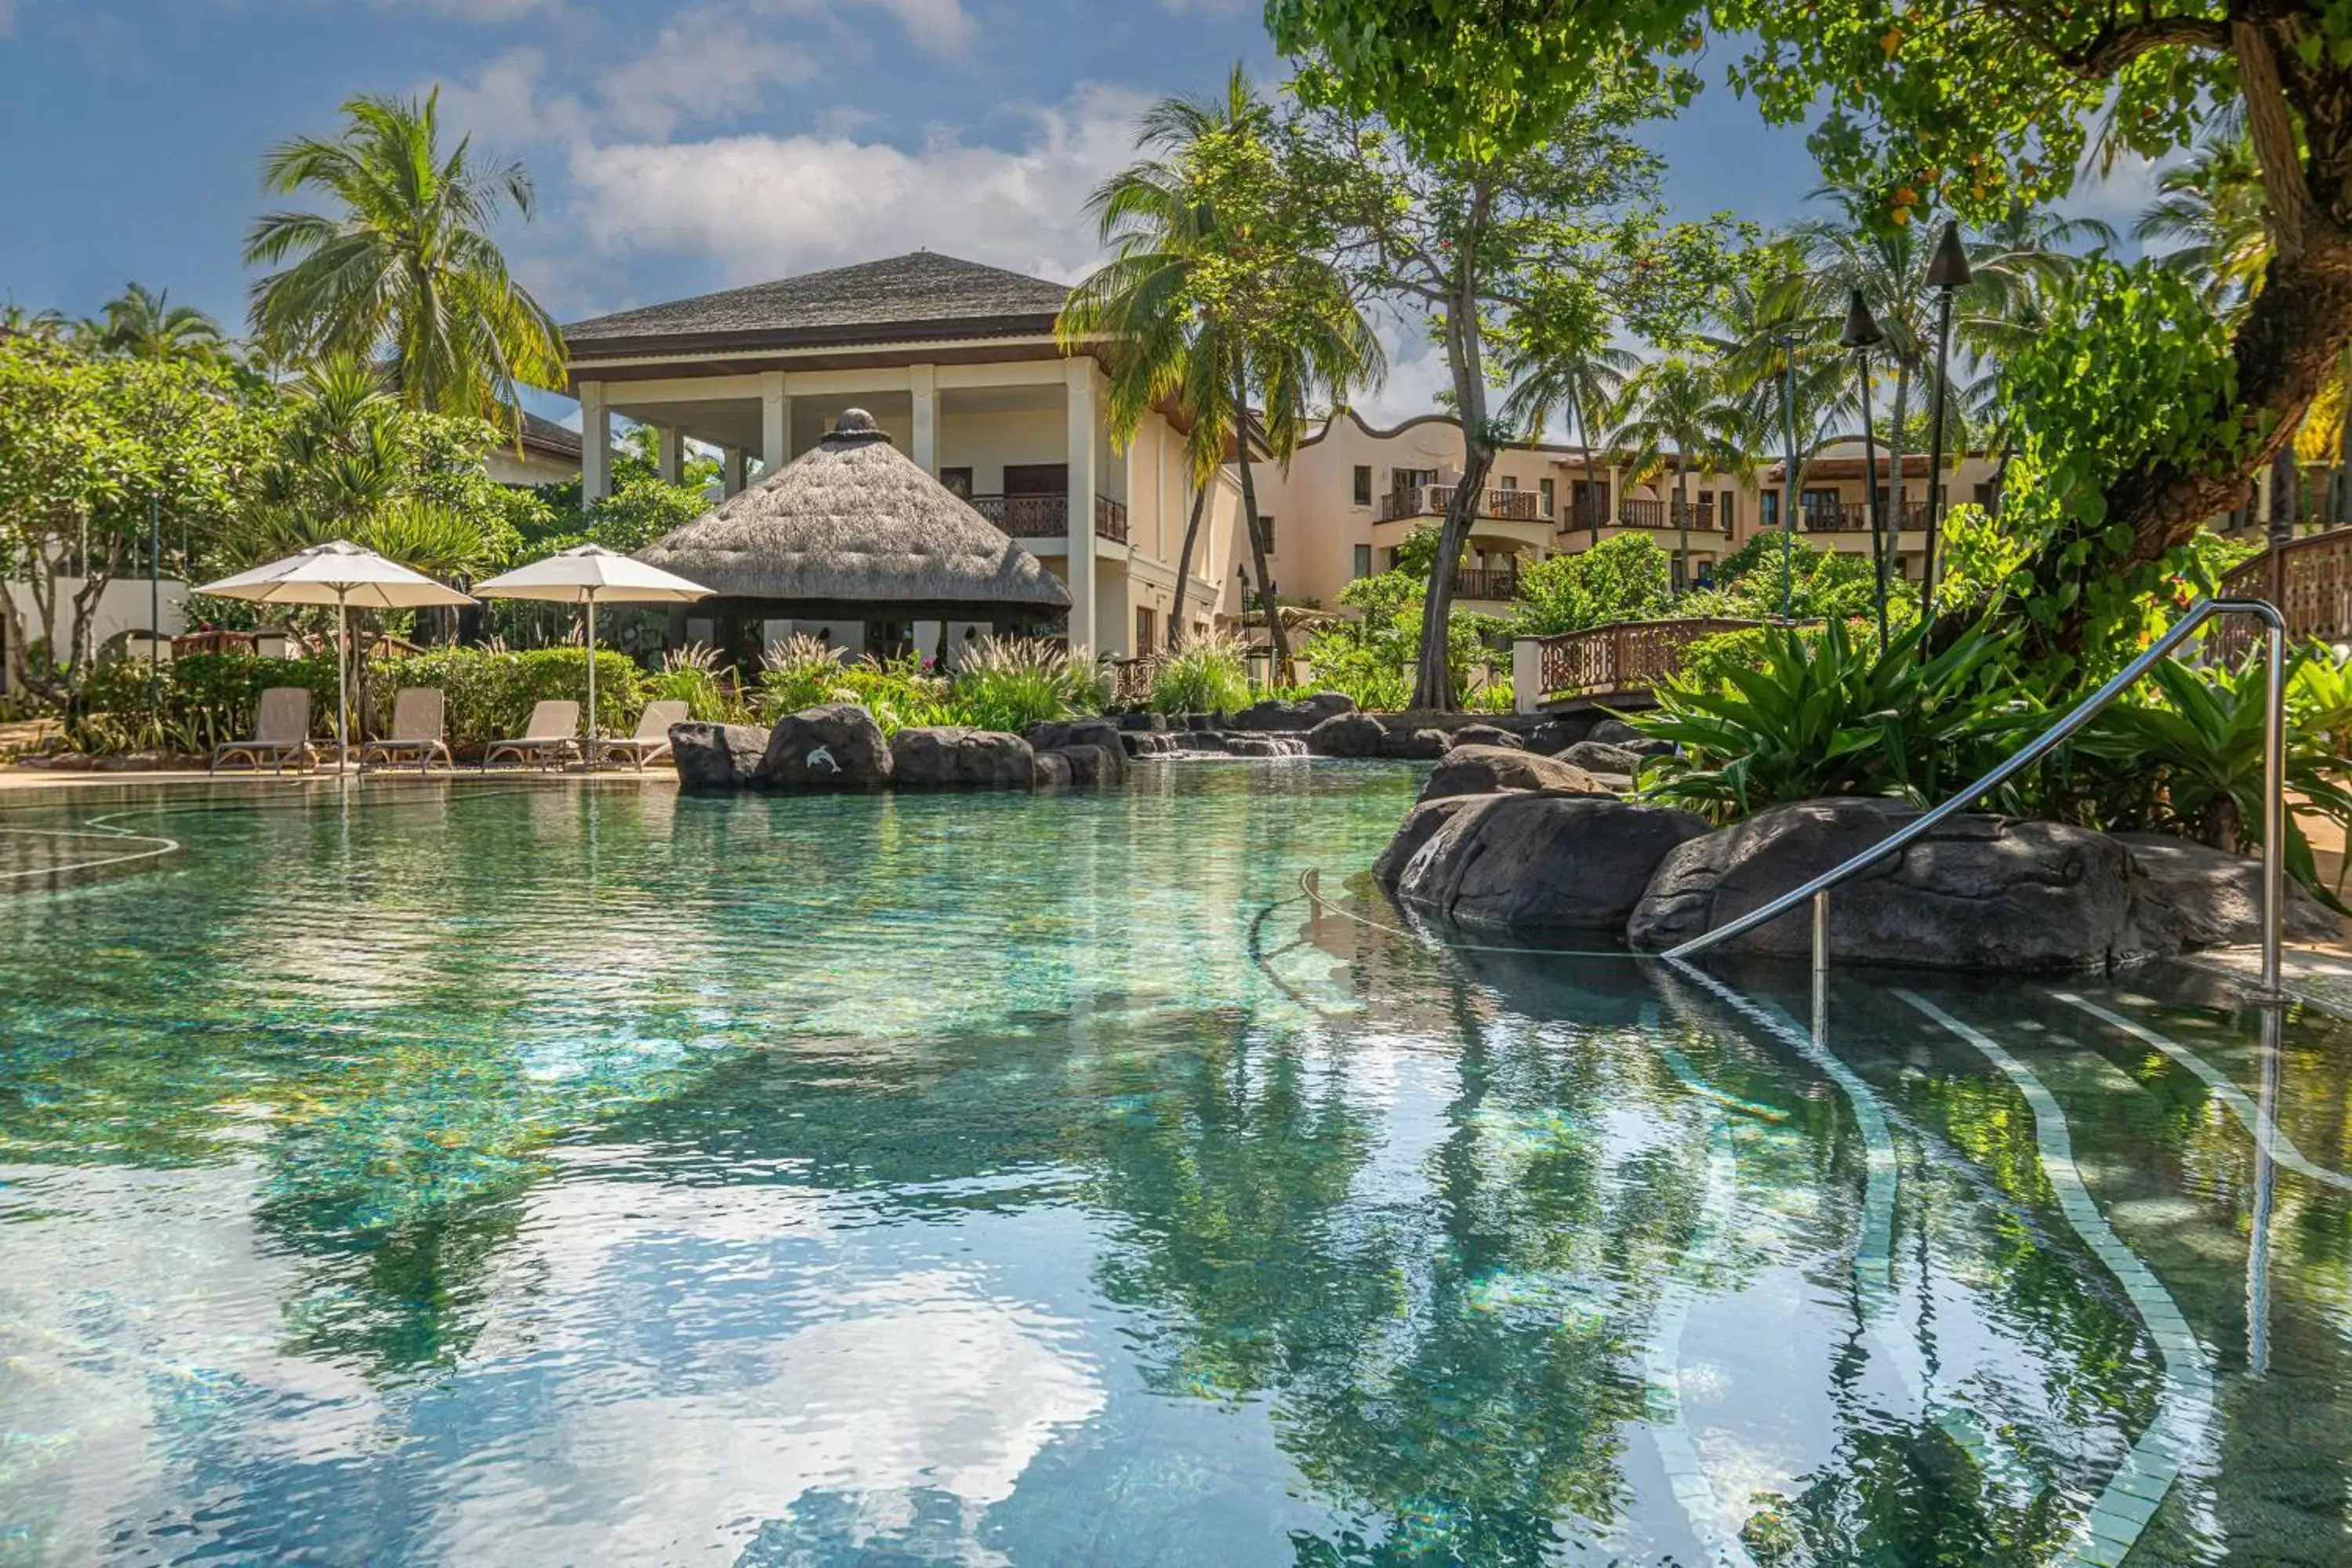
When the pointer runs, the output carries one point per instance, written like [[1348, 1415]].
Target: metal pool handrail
[[2274, 795]]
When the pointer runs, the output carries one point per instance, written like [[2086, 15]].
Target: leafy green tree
[[1221, 295], [1961, 105], [148, 326], [1506, 251], [1627, 578], [1822, 584], [405, 266], [86, 447], [1564, 362], [1679, 416]]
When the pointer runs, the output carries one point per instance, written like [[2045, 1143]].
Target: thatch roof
[[852, 526], [902, 299]]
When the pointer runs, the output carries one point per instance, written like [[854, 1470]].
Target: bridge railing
[[1627, 659], [2310, 581]]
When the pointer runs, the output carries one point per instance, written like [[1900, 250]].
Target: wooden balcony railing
[[1660, 514], [1110, 520], [1430, 501], [1853, 517], [1625, 659], [1485, 582], [1048, 516]]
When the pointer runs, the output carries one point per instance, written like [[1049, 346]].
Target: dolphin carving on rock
[[823, 754]]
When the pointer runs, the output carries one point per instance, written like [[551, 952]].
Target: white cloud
[[485, 11], [2119, 197], [703, 66], [942, 26], [763, 206], [502, 103]]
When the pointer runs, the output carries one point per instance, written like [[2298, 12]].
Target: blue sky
[[677, 148]]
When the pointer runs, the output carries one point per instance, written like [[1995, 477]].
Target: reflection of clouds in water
[[912, 1411]]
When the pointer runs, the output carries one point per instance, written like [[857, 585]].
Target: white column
[[1080, 375], [730, 470], [922, 388], [669, 453], [775, 422], [595, 443], [1526, 675]]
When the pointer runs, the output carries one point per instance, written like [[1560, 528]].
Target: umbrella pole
[[590, 760], [342, 691]]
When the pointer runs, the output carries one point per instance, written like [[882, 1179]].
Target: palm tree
[[2211, 213], [1572, 368], [43, 326], [405, 269], [137, 324], [1787, 377], [1211, 301], [1679, 414]]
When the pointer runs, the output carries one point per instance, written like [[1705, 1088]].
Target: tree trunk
[[1184, 568], [1434, 675], [1273, 634], [1584, 441], [1894, 470]]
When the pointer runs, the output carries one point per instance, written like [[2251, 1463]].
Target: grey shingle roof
[[546, 435], [919, 295]]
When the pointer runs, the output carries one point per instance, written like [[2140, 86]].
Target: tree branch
[[2116, 44], [2272, 127]]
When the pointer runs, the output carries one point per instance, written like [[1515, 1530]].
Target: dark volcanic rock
[[837, 746], [1414, 745], [714, 758], [1482, 770], [1487, 735], [1981, 892], [1619, 733], [1601, 757], [2214, 899], [1346, 735], [1516, 861], [1150, 742], [1273, 714], [1048, 770], [1424, 820], [1554, 736], [1094, 764], [1265, 746], [952, 757]]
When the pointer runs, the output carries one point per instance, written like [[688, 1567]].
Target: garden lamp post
[[1862, 335], [1947, 273], [1788, 341]]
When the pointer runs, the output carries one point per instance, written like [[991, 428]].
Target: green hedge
[[206, 699]]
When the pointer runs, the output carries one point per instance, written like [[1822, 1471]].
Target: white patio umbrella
[[342, 575], [590, 574]]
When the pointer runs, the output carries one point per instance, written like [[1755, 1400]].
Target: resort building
[[547, 454], [1353, 494], [958, 363]]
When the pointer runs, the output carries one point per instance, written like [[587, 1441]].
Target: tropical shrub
[[1371, 658], [1627, 578], [1010, 683], [487, 694], [1821, 583], [1828, 714], [690, 675], [2182, 753], [1206, 675], [801, 671]]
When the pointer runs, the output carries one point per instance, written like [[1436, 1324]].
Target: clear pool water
[[527, 1174]]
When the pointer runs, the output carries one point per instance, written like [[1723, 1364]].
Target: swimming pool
[[536, 1174]]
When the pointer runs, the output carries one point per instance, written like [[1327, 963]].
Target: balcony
[[1483, 583], [1048, 516], [1431, 501], [1653, 515], [1854, 516]]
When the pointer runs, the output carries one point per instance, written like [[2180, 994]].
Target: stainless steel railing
[[2274, 798]]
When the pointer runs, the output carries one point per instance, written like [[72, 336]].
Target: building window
[[1768, 507], [1363, 484], [958, 481], [1727, 509], [1548, 497], [1363, 560], [1144, 620], [1509, 482], [1265, 531]]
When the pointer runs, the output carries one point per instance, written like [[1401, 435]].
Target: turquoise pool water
[[529, 1174]]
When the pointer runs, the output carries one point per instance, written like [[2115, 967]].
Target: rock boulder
[[1487, 735], [1623, 736], [1414, 745], [1346, 735], [1305, 714], [713, 759], [2214, 899], [1423, 820], [1981, 892], [1094, 763], [1541, 861], [837, 746], [952, 757], [1554, 736], [1482, 770]]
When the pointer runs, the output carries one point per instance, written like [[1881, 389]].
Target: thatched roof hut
[[853, 531]]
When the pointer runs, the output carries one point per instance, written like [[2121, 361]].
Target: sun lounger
[[553, 733], [281, 730], [418, 730], [652, 740]]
